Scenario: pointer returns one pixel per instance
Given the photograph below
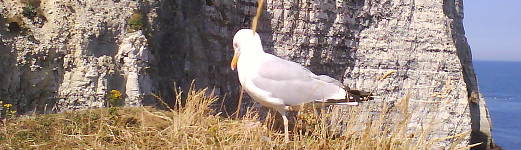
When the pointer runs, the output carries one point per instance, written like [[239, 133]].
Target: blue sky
[[493, 29]]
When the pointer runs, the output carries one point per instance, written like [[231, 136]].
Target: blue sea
[[500, 83]]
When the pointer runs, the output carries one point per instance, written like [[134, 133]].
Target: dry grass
[[196, 126]]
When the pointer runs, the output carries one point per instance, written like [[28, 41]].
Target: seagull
[[277, 83]]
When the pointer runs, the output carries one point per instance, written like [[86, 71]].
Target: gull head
[[245, 41]]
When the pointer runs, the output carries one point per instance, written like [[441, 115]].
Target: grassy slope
[[193, 127]]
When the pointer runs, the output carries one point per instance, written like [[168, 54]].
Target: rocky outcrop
[[421, 43], [66, 55]]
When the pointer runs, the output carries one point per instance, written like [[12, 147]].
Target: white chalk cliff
[[64, 55]]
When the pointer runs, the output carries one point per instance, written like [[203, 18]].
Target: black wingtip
[[358, 96]]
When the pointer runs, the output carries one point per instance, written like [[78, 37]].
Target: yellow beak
[[233, 65]]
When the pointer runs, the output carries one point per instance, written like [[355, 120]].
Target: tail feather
[[358, 96], [353, 97]]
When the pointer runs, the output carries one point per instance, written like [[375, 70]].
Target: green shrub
[[29, 11], [136, 22]]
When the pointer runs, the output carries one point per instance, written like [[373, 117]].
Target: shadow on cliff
[[104, 45], [191, 41], [7, 62], [29, 87]]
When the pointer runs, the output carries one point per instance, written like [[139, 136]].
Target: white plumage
[[277, 83]]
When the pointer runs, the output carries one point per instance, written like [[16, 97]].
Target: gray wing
[[293, 83]]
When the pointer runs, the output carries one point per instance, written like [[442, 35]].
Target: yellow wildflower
[[115, 94], [8, 105]]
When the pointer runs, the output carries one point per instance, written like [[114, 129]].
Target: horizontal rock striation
[[68, 54]]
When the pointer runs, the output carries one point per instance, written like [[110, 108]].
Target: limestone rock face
[[421, 43], [68, 54]]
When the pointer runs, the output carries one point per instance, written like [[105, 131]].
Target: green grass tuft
[[29, 11], [136, 22]]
